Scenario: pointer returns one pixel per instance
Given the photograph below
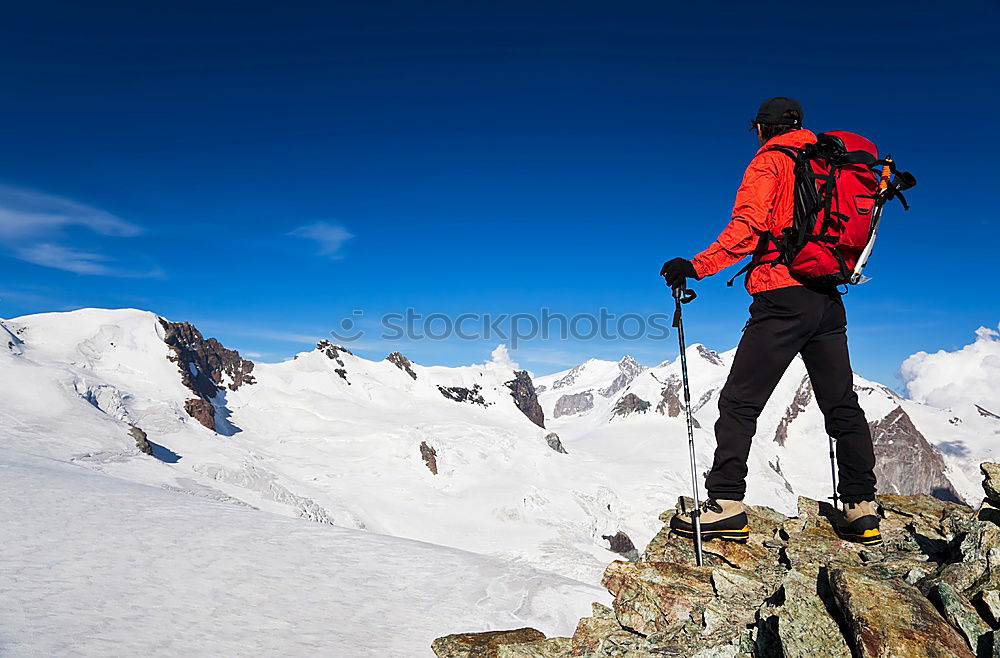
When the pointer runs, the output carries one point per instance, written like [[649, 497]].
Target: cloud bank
[[35, 227], [951, 379]]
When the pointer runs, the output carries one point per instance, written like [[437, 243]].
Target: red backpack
[[838, 204]]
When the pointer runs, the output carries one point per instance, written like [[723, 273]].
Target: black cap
[[779, 111]]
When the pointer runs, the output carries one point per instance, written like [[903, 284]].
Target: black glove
[[676, 270]]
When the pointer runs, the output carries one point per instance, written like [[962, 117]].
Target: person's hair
[[769, 131]]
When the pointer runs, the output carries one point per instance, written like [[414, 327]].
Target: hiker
[[787, 317]]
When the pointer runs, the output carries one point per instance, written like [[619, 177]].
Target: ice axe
[[684, 295]]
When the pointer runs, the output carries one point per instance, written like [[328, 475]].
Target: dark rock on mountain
[[709, 355], [342, 373], [622, 544], [630, 403], [568, 405], [141, 441], [333, 351], [202, 411], [802, 398], [906, 463], [461, 394], [986, 413], [540, 389], [569, 378], [628, 369], [796, 589], [204, 364], [553, 440], [429, 456], [522, 389], [482, 645], [401, 362], [670, 401]]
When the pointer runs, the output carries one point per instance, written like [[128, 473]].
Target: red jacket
[[764, 204]]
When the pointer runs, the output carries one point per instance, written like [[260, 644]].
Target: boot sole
[[866, 538], [738, 536]]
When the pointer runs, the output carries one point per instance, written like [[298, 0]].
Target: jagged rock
[[630, 403], [569, 378], [202, 411], [989, 512], [397, 359], [905, 462], [461, 394], [628, 370], [670, 400], [803, 396], [991, 481], [961, 615], [523, 391], [342, 373], [333, 351], [817, 546], [568, 405], [141, 441], [602, 635], [667, 547], [650, 597], [429, 455], [709, 355], [554, 647], [203, 363], [622, 544], [482, 645], [890, 618], [805, 626], [553, 440], [988, 604]]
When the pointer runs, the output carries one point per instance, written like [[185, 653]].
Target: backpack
[[838, 205]]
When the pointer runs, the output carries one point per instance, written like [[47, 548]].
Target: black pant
[[783, 323]]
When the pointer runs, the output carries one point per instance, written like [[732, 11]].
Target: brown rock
[[141, 441], [905, 462], [889, 619], [397, 359], [482, 645], [522, 389], [429, 455], [202, 411], [652, 596], [554, 647], [991, 481]]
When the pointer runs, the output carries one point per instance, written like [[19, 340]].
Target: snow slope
[[98, 566], [341, 440]]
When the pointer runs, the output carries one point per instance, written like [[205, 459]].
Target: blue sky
[[263, 172]]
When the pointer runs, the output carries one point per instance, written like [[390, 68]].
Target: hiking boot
[[860, 523], [720, 519]]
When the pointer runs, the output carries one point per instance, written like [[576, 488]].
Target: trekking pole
[[833, 471], [683, 295]]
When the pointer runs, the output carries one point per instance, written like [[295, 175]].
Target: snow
[[97, 566], [336, 465]]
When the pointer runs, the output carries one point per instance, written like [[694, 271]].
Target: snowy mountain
[[552, 473]]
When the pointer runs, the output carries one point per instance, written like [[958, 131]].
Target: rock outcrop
[[462, 394], [553, 440], [207, 368], [567, 405], [522, 389], [628, 369], [799, 403], [670, 401], [141, 441], [629, 404], [796, 589], [429, 455], [397, 359], [483, 645]]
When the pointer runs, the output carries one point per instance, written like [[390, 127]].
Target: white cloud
[[501, 357], [34, 227], [951, 379], [329, 237]]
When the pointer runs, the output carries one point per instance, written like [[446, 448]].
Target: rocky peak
[[522, 389], [401, 362], [796, 589], [709, 355], [670, 401], [628, 370], [334, 351], [906, 463], [569, 378]]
